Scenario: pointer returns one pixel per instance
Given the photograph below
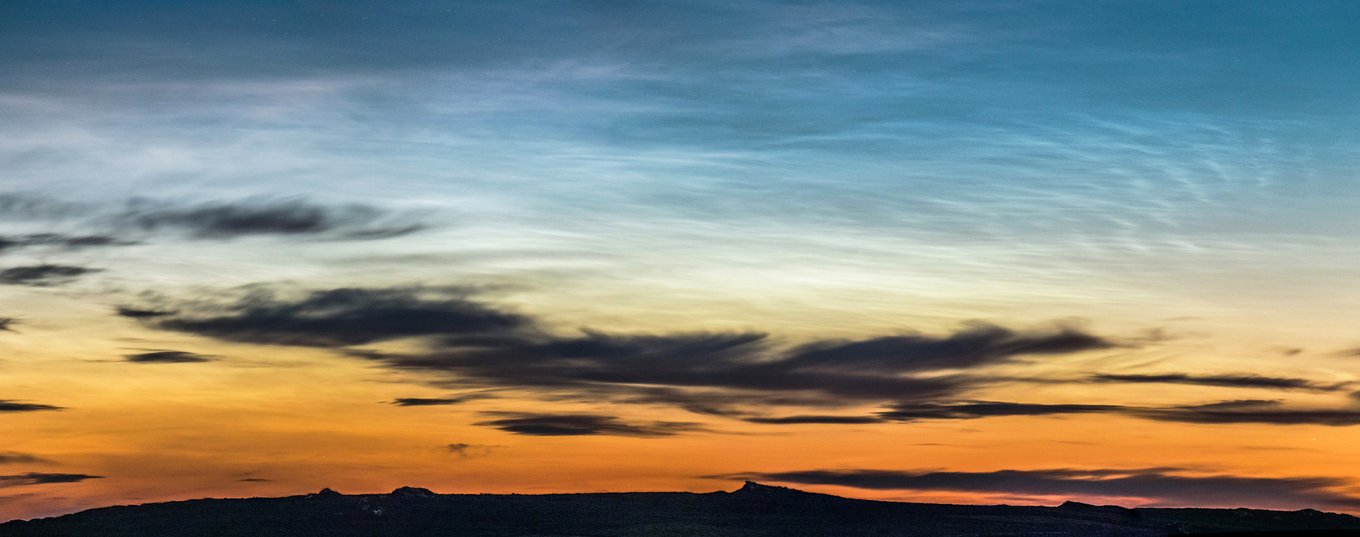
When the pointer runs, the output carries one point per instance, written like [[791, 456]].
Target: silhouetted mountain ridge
[[750, 511]]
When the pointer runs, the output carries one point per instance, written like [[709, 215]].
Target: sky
[[964, 251]]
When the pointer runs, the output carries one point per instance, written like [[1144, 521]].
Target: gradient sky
[[959, 251]]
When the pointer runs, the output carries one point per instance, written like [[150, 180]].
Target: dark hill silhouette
[[750, 511]]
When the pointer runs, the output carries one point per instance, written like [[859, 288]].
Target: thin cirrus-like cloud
[[464, 450], [14, 457], [1164, 485]]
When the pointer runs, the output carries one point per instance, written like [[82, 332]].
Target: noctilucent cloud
[[957, 251]]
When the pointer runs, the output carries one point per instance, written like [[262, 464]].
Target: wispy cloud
[[465, 450], [14, 457]]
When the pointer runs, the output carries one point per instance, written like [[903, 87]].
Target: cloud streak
[[167, 357], [334, 318], [14, 457], [254, 217], [464, 450], [38, 478], [17, 406], [45, 275], [536, 424], [1226, 381], [14, 242], [431, 401], [1253, 411], [472, 343]]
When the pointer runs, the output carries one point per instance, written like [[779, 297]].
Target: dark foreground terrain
[[753, 510]]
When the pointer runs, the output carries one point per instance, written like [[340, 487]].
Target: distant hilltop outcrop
[[753, 510]]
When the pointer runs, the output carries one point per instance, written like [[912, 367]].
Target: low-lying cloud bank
[[1161, 486], [467, 343], [471, 343]]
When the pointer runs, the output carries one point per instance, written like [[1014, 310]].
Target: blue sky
[[1173, 172]]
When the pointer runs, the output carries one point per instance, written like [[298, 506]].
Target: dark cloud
[[15, 406], [531, 424], [12, 457], [45, 275], [815, 419], [37, 478], [472, 344], [141, 313], [167, 357], [334, 318], [1252, 411], [1161, 485], [222, 220], [979, 344], [959, 410], [1218, 413], [253, 480], [739, 365], [743, 366], [429, 401], [1227, 381], [12, 242], [7, 324]]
